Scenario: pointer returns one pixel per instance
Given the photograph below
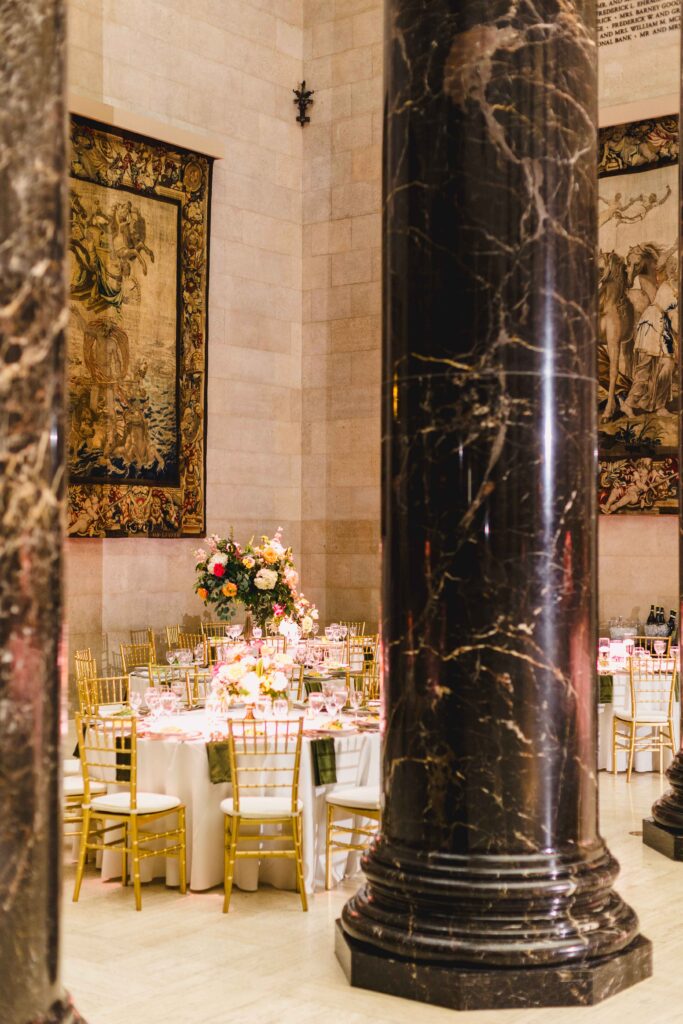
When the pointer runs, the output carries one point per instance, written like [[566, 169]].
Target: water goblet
[[257, 632], [172, 657], [262, 708], [315, 703], [152, 701], [180, 691], [340, 697], [355, 700], [659, 647], [329, 630], [280, 708], [328, 688], [135, 701]]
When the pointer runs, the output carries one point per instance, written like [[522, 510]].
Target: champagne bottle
[[672, 623], [651, 617], [660, 616]]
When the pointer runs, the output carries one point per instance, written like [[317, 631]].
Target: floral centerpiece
[[262, 577], [247, 673]]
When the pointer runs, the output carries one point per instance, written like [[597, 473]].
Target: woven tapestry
[[137, 338]]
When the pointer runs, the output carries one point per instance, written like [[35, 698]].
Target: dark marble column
[[490, 885], [664, 830], [32, 321]]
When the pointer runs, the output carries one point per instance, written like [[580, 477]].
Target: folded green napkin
[[313, 686], [219, 761], [606, 687], [324, 761]]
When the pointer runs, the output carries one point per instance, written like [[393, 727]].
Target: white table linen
[[181, 769]]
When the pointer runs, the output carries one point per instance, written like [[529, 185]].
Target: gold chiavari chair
[[648, 644], [101, 691], [356, 802], [109, 755], [191, 641], [198, 685], [359, 627], [652, 689], [278, 644], [366, 680], [144, 636], [84, 664], [172, 636], [263, 760], [165, 677], [213, 628], [136, 656]]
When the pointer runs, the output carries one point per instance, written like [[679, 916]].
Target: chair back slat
[[213, 628], [136, 655], [195, 642], [265, 757], [84, 664], [102, 690]]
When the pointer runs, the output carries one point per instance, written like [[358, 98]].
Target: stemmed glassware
[[659, 647], [355, 700], [152, 701], [135, 701], [280, 708], [315, 703], [339, 699]]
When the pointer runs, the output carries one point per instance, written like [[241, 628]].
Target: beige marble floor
[[182, 962]]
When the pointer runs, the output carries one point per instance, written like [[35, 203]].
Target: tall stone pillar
[[664, 830], [490, 885], [32, 321]]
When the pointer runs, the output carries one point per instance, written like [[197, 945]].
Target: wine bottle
[[660, 616], [672, 623], [651, 617]]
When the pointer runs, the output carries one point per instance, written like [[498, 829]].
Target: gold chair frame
[[648, 643], [85, 664], [358, 626], [249, 740], [334, 832], [136, 655], [145, 636], [190, 641], [661, 734], [99, 691], [215, 628], [101, 738]]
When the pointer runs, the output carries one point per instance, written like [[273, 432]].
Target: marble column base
[[493, 988], [663, 840], [62, 1012]]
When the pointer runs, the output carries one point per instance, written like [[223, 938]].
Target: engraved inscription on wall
[[621, 21]]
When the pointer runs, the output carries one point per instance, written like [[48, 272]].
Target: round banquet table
[[180, 768], [645, 761]]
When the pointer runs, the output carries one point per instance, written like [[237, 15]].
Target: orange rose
[[229, 589], [203, 593], [270, 555]]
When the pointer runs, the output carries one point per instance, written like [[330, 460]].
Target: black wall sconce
[[302, 99]]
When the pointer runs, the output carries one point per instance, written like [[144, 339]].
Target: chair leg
[[614, 746], [328, 852], [82, 851], [300, 862], [672, 741], [124, 856], [183, 851], [631, 749], [136, 860], [232, 824]]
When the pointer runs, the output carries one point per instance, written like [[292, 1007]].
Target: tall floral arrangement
[[261, 576]]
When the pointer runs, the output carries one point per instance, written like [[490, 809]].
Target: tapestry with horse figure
[[136, 355], [638, 344]]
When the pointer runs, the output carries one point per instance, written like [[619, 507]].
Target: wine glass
[[135, 701], [315, 703], [328, 688], [262, 708], [340, 697], [257, 632], [152, 701], [180, 691], [329, 630], [315, 629], [172, 657], [280, 707], [659, 647], [355, 700]]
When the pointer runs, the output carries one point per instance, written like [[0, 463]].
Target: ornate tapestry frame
[[136, 165]]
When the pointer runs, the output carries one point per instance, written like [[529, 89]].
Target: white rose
[[235, 671], [250, 684], [265, 579], [279, 682], [307, 623]]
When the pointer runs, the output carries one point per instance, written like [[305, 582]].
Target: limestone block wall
[[341, 306], [226, 68]]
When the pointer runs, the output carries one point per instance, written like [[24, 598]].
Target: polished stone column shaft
[[664, 831], [490, 861], [32, 322]]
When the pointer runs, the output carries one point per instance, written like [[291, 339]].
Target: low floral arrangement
[[262, 577], [245, 674]]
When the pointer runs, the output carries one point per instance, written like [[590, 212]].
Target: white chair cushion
[[71, 766], [364, 797], [73, 786], [261, 807], [644, 717], [147, 803]]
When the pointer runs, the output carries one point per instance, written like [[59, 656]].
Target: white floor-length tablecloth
[[643, 762], [181, 769]]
